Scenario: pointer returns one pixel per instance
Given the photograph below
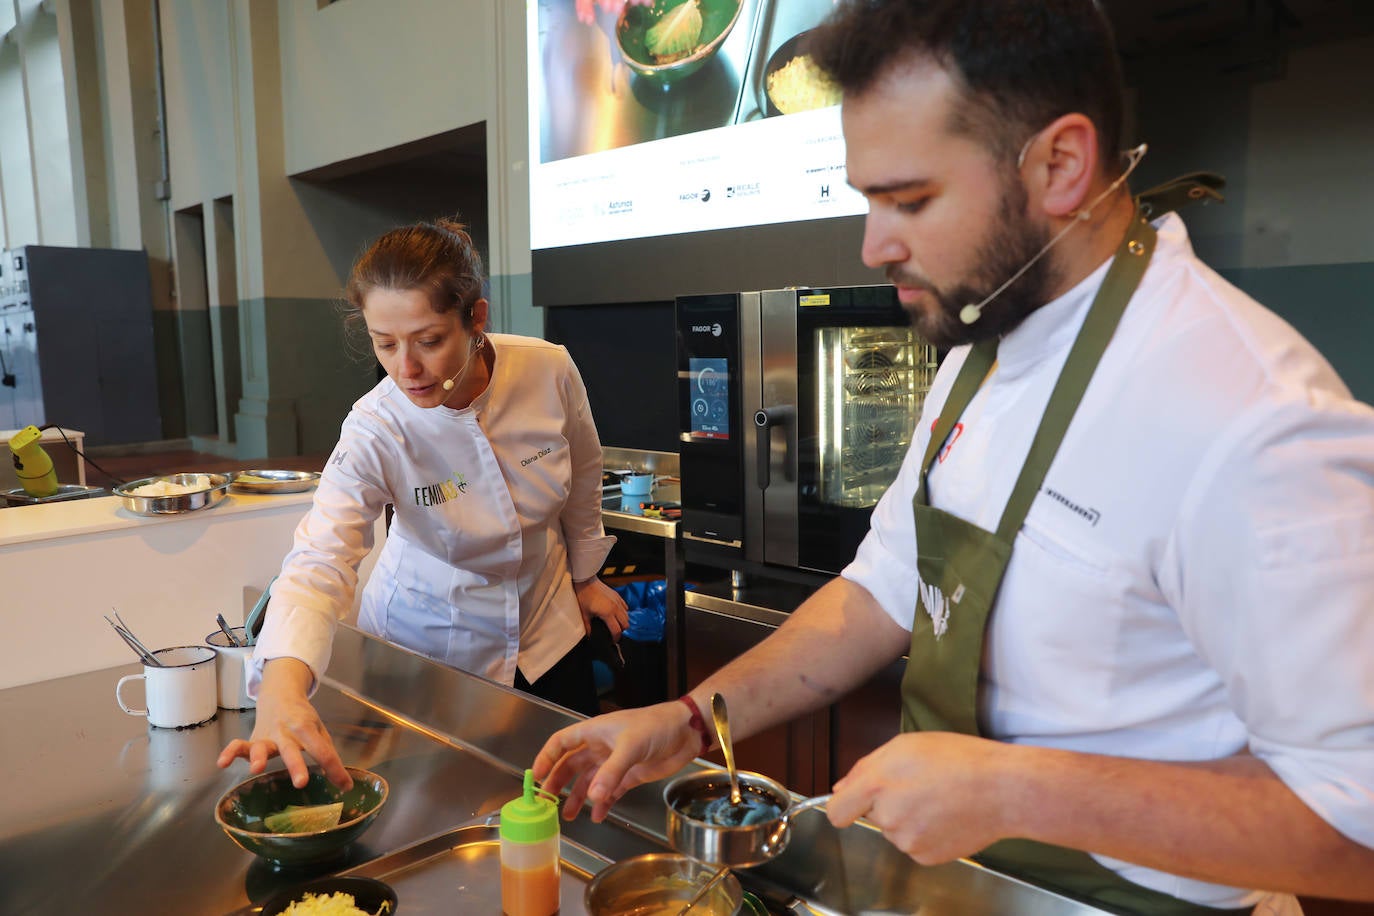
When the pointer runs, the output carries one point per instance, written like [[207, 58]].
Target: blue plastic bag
[[648, 609]]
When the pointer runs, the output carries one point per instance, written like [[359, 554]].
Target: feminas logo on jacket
[[436, 494]]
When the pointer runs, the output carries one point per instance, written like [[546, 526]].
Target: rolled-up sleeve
[[1272, 569]]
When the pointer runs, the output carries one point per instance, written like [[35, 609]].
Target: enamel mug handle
[[120, 700]]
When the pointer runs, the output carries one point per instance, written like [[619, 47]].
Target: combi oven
[[796, 407]]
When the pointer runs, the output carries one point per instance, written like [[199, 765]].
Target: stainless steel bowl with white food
[[270, 481], [173, 494]]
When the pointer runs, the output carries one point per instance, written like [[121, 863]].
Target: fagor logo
[[712, 329]]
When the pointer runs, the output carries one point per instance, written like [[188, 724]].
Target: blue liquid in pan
[[755, 807]]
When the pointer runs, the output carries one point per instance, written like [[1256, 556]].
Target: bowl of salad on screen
[[672, 39], [271, 818]]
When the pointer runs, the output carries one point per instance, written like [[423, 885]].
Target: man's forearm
[[1229, 821], [832, 643]]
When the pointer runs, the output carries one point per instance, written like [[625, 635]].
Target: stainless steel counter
[[104, 814]]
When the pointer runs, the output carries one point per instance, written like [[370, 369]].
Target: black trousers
[[570, 682]]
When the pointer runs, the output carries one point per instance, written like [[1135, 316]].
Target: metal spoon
[[722, 723], [228, 633], [705, 888]]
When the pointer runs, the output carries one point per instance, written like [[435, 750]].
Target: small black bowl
[[368, 894]]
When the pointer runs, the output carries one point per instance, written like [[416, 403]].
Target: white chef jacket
[[495, 505], [1196, 575]]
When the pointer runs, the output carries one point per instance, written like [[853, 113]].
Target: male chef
[[1130, 554]]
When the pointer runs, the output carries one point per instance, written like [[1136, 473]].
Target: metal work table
[[105, 814]]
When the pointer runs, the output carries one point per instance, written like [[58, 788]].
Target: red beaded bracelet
[[697, 722]]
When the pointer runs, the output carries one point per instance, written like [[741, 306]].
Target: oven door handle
[[768, 419]]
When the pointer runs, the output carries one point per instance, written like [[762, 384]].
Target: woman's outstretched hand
[[287, 726]]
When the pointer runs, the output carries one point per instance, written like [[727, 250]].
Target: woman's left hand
[[597, 599]]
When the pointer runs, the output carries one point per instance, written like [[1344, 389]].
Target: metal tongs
[[133, 642]]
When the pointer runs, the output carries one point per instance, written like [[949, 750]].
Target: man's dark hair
[[1019, 64]]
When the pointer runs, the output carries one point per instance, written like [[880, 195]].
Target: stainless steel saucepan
[[692, 834]]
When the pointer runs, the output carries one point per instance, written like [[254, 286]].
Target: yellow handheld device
[[32, 465]]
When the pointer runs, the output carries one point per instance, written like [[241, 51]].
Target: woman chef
[[485, 446]]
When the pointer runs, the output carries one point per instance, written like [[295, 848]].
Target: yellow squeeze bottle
[[32, 465]]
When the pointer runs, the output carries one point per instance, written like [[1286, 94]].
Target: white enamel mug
[[180, 693], [231, 666]]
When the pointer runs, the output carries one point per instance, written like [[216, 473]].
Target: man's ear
[[1062, 165]]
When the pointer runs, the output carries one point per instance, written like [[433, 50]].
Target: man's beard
[[1011, 243]]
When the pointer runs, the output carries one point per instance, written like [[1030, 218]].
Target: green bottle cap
[[532, 817]]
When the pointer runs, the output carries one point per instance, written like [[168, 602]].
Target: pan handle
[[777, 840]]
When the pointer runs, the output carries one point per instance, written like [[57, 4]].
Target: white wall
[[16, 162], [199, 98], [168, 578], [50, 144], [364, 76]]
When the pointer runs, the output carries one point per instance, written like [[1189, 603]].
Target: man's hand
[[934, 795], [287, 725], [597, 599], [605, 757]]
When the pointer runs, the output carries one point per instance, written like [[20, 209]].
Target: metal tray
[[65, 492], [215, 488], [260, 481], [460, 872]]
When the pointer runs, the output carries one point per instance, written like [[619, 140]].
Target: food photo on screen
[[656, 117]]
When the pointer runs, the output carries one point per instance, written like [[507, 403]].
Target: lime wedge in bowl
[[304, 818]]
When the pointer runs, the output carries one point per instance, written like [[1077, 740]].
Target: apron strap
[[1128, 266], [966, 384], [1177, 193]]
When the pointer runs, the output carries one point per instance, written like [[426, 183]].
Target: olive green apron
[[961, 567]]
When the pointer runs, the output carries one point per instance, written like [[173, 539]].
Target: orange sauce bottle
[[530, 853]]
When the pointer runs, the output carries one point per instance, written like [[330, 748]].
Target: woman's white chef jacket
[[494, 505], [1196, 575]]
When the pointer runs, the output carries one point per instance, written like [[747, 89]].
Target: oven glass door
[[862, 377]]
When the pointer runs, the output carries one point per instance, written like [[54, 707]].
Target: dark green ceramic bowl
[[241, 810], [718, 17]]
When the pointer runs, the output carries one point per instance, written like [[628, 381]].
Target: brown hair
[[437, 257]]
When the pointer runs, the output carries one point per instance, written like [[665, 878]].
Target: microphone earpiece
[[970, 314], [477, 344]]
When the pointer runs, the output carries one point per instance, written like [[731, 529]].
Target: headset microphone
[[970, 313], [477, 344]]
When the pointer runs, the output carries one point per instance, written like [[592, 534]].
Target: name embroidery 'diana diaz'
[[526, 462], [436, 494]]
